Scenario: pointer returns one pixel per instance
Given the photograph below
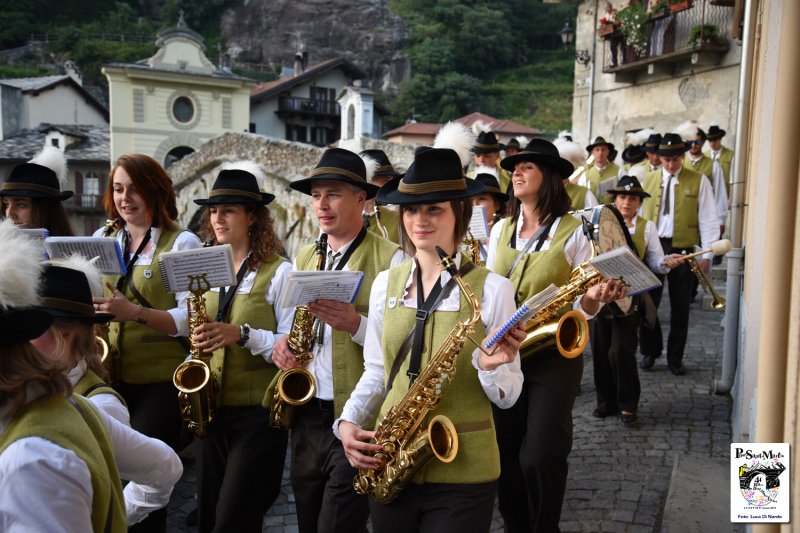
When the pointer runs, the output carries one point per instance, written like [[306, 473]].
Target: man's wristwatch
[[244, 335]]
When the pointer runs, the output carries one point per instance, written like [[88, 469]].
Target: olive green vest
[[372, 256], [74, 425], [704, 166], [390, 219], [536, 270], [594, 177], [638, 237], [243, 377], [725, 161], [90, 380], [147, 355], [503, 177], [686, 229], [464, 401], [577, 195]]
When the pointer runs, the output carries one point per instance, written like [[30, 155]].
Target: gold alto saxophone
[[297, 386], [193, 378], [407, 445], [109, 355]]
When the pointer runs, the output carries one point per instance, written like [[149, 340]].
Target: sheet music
[[306, 286], [215, 261], [605, 185], [478, 226], [622, 263], [106, 249], [525, 312]]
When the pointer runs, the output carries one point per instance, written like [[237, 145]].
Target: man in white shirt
[[682, 206]]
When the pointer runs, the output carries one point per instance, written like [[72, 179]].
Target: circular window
[[183, 109]]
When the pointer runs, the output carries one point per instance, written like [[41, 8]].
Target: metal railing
[[297, 104], [85, 202], [704, 25]]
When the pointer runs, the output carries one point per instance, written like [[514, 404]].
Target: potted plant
[[608, 24], [679, 5], [633, 25], [659, 9], [705, 34]]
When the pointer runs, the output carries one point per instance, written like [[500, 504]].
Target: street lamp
[[567, 35]]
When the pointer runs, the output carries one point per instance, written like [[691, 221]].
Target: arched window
[[176, 154]]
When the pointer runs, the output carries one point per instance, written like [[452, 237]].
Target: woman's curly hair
[[264, 244]]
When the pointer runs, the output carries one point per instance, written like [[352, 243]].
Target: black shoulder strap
[[539, 237]]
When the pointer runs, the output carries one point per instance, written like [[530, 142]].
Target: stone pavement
[[619, 476]]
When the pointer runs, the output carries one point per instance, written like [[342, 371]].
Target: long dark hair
[[551, 200], [463, 212], [47, 213]]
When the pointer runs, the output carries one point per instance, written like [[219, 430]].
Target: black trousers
[[437, 508], [322, 478], [679, 284], [154, 412], [535, 438], [616, 376], [239, 470]]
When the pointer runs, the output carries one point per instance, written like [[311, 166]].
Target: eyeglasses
[[698, 142]]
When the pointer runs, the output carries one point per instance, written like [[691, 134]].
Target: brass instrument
[[297, 386], [718, 301], [193, 378], [109, 354], [576, 174], [381, 227], [472, 249], [407, 445]]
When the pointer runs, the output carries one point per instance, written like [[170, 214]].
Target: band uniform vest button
[[392, 302]]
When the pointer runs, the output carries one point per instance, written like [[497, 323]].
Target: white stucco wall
[[59, 105]]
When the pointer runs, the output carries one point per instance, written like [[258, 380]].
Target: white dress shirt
[[577, 249], [502, 385], [44, 487], [262, 341], [654, 253], [707, 217], [186, 240], [106, 402], [321, 366], [590, 200], [717, 180]]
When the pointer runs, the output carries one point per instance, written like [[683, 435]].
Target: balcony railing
[[698, 34], [85, 203], [298, 105]]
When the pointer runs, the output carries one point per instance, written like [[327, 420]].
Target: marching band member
[[322, 479], [536, 246], [32, 195], [241, 458], [435, 207], [381, 220], [486, 150], [614, 339], [603, 167], [147, 318]]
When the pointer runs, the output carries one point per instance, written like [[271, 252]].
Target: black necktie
[[668, 196]]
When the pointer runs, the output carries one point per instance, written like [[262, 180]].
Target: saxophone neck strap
[[350, 250], [130, 261], [427, 308], [539, 237], [226, 296]]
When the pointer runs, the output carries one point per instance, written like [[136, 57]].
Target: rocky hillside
[[364, 31]]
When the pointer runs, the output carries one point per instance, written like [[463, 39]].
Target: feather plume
[[486, 170], [20, 267], [639, 137], [370, 164], [248, 166], [87, 266], [565, 134], [638, 171], [571, 151], [456, 136], [54, 159], [479, 126], [714, 123], [522, 140], [687, 130]]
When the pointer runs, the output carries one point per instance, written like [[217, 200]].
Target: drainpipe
[[730, 342]]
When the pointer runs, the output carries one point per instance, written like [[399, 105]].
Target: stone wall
[[283, 161]]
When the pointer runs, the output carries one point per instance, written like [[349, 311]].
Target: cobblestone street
[[619, 476]]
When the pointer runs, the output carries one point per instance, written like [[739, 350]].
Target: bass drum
[[609, 232]]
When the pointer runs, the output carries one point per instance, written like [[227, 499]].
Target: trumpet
[[580, 170], [720, 247]]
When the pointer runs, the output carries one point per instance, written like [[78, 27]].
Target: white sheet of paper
[[622, 263], [105, 249], [605, 185], [305, 286], [216, 262], [478, 226]]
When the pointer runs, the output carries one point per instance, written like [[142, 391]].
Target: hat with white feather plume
[[341, 165], [237, 183], [41, 177], [486, 141], [20, 267], [458, 137], [68, 285]]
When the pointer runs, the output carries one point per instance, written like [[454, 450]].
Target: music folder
[[216, 262]]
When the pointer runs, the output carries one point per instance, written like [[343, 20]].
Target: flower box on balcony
[[606, 30], [680, 5]]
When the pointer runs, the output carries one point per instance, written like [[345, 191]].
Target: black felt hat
[[597, 142], [34, 181], [385, 167], [629, 185], [434, 176], [66, 294], [20, 325], [651, 145], [671, 145], [340, 165], [715, 132], [633, 154], [486, 143], [543, 152], [513, 143], [491, 186], [236, 186]]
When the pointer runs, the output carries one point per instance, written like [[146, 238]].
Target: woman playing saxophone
[[457, 495]]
